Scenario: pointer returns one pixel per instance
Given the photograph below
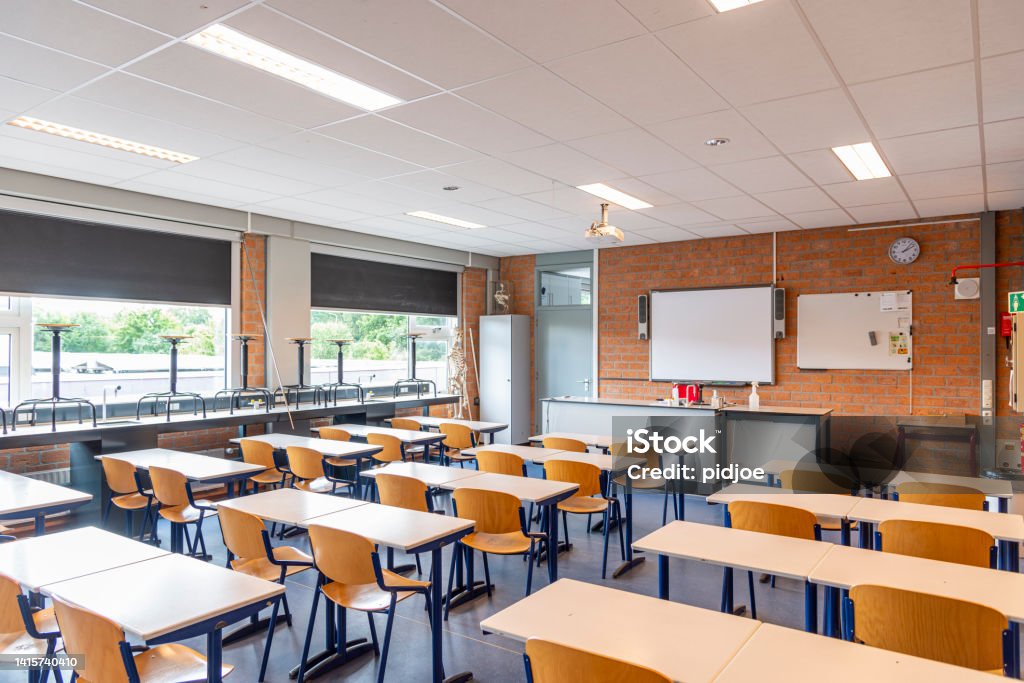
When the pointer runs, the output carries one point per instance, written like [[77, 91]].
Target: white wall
[[288, 305]]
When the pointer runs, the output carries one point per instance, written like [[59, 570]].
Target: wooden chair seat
[[318, 485], [21, 644], [131, 501], [645, 484], [341, 462], [171, 664], [262, 568], [184, 514], [583, 505], [456, 454], [368, 597], [833, 524], [268, 477], [510, 543]]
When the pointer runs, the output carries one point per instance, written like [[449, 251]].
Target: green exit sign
[[1016, 302]]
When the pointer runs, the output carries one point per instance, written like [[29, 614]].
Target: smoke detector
[[601, 232]]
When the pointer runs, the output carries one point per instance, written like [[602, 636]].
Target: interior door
[[564, 353]]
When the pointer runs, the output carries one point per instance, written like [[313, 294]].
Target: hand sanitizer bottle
[[755, 400], [716, 400]]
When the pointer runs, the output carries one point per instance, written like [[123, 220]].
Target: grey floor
[[492, 658]]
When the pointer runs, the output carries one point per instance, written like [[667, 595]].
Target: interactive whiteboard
[[855, 331], [712, 335]]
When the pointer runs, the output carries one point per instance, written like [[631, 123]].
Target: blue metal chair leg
[[309, 634], [387, 638], [753, 598]]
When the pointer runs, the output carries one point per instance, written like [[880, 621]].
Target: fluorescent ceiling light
[[726, 5], [863, 161], [447, 220], [615, 196], [227, 42], [110, 141]]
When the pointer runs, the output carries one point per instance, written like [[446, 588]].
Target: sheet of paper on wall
[[903, 322], [895, 301], [898, 344]]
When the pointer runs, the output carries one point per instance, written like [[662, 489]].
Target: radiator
[[61, 476]]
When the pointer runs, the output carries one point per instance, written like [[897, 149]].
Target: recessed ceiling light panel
[[101, 139], [447, 220], [615, 196], [227, 42], [726, 5], [863, 161]]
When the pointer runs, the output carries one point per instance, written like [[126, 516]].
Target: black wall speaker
[[779, 313], [641, 316]]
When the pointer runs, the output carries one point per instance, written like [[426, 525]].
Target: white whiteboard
[[834, 331], [712, 335]]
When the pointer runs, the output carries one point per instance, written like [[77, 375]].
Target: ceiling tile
[[681, 214], [530, 231], [659, 14], [643, 191], [692, 185], [523, 208], [567, 113], [501, 175], [465, 123], [325, 150], [355, 203], [1000, 25], [896, 211], [434, 182], [394, 194], [562, 163], [1008, 176], [762, 53], [420, 37], [689, 135], [871, 39], [763, 175], [920, 102], [576, 202], [79, 30], [634, 151], [550, 29], [822, 165], [630, 78], [785, 122], [474, 214], [734, 208], [1002, 92], [306, 171], [176, 19], [934, 151], [717, 231], [271, 183], [394, 139], [951, 183], [20, 146], [17, 96], [86, 172], [669, 234], [178, 193], [507, 234], [796, 201], [821, 219], [1004, 141], [38, 65], [175, 180], [866, 192], [309, 211], [394, 226], [762, 225], [1005, 201], [945, 206]]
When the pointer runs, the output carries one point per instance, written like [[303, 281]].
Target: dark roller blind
[[58, 256], [339, 282]]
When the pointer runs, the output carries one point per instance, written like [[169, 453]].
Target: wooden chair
[[26, 631], [408, 493], [412, 452], [815, 481], [587, 500], [939, 628], [648, 482], [307, 468], [180, 509], [560, 443], [256, 452], [500, 462], [351, 577], [457, 438], [946, 495], [548, 662], [392, 449], [500, 529], [935, 541], [336, 463], [108, 657], [127, 493]]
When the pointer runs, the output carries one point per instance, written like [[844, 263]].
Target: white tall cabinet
[[505, 375]]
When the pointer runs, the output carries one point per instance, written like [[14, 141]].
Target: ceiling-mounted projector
[[601, 232]]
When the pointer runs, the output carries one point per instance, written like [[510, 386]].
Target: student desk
[[829, 505], [775, 654], [172, 598], [408, 437], [527, 453], [793, 558], [489, 428], [1000, 489], [687, 644], [199, 468], [291, 507], [1007, 529], [22, 497], [433, 476], [602, 441]]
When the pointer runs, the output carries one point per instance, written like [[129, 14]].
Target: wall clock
[[904, 251]]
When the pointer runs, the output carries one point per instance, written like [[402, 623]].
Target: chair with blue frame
[[549, 662], [944, 495], [307, 468], [128, 494], [458, 438], [256, 452], [27, 631], [935, 541], [934, 627], [411, 452], [180, 508], [500, 462]]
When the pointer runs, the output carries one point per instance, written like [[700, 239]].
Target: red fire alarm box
[[1006, 324]]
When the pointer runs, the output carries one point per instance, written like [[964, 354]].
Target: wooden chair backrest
[[493, 511], [930, 626], [243, 533], [405, 423], [256, 452], [342, 556], [771, 518], [945, 495], [10, 613], [587, 475], [554, 663], [560, 443], [335, 434], [120, 475], [815, 481], [392, 446], [305, 463], [96, 638], [402, 492], [169, 486], [456, 435], [499, 462], [945, 542]]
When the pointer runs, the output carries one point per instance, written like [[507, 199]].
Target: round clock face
[[904, 250]]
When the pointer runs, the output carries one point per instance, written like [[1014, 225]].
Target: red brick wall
[[251, 323], [35, 458], [520, 271], [474, 305]]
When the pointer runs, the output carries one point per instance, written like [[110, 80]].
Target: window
[[117, 347], [6, 356], [379, 354], [565, 286]]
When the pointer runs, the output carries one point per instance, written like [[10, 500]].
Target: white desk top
[[406, 436], [775, 654], [845, 567], [40, 560], [23, 494], [167, 593], [289, 506], [607, 463], [821, 504], [779, 410], [431, 475], [193, 465], [527, 489], [1003, 527], [998, 488], [597, 440], [780, 555], [688, 644], [393, 527], [328, 447], [475, 425], [527, 453]]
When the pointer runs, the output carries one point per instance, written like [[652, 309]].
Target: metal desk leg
[[631, 561], [663, 577], [552, 519], [1004, 504], [844, 533], [40, 525], [436, 625], [810, 607], [213, 656]]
